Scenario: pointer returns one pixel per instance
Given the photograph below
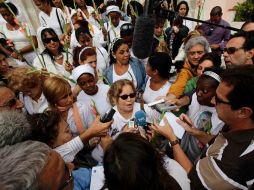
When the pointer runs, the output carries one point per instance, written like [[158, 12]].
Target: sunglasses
[[231, 50], [48, 40], [218, 100], [12, 102], [125, 96]]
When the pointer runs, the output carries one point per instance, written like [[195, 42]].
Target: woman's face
[[4, 66], [88, 84], [44, 7], [33, 92], [122, 54], [91, 60], [182, 10], [57, 3], [205, 91], [51, 42], [66, 102], [115, 18], [202, 66], [6, 14], [126, 104], [149, 70], [85, 40], [64, 133], [195, 53]]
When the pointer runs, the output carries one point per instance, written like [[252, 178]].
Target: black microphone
[[143, 35], [108, 116]]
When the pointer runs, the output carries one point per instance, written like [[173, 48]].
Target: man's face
[[222, 104], [8, 100], [56, 174], [215, 19], [238, 56]]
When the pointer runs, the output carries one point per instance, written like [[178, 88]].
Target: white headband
[[213, 75], [83, 51], [113, 43]]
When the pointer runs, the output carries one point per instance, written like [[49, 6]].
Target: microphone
[[14, 128], [143, 35], [108, 116], [140, 119]]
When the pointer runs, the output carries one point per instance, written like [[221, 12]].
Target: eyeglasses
[[192, 53], [218, 100], [125, 96], [231, 50], [48, 40], [12, 102], [70, 178]]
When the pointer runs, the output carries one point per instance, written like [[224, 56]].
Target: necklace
[[59, 56]]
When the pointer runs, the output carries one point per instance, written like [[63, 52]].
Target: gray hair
[[20, 165], [197, 40], [14, 128]]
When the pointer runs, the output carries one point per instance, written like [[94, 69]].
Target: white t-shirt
[[100, 99], [127, 75], [177, 172], [204, 116], [32, 106], [20, 40], [52, 20], [120, 121], [102, 58], [150, 95], [53, 66], [86, 115]]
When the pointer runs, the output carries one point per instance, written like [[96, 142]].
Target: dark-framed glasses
[[12, 102], [48, 40], [68, 180], [125, 96], [220, 101], [231, 50]]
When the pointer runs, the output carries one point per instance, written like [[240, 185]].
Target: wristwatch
[[173, 143]]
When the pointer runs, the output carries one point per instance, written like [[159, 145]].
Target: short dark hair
[[161, 62], [241, 78], [183, 3], [9, 6], [216, 11], [213, 57], [248, 39], [45, 126], [126, 29], [131, 162]]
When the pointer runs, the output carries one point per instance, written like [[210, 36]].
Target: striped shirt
[[228, 163]]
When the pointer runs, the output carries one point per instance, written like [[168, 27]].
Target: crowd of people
[[57, 130]]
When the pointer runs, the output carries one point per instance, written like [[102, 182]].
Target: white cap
[[112, 8], [82, 69]]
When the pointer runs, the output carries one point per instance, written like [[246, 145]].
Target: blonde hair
[[55, 88], [21, 78], [116, 89], [192, 34]]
